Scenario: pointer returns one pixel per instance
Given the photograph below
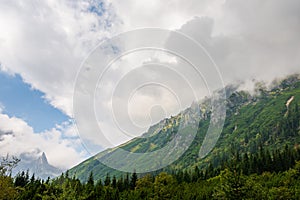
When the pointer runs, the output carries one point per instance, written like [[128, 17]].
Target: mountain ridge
[[252, 120]]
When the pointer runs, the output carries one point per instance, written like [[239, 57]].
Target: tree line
[[262, 175]]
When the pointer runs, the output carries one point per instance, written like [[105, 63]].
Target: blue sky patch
[[21, 101], [97, 8]]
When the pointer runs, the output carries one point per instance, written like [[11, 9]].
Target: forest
[[263, 175]]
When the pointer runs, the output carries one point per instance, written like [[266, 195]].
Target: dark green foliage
[[21, 179], [107, 180], [7, 188], [280, 179], [114, 182], [133, 180]]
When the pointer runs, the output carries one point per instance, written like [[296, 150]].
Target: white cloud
[[45, 42], [18, 137], [164, 14], [248, 40], [264, 42]]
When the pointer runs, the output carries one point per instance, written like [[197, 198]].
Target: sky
[[44, 44]]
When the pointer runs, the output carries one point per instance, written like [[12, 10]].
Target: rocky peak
[[43, 159]]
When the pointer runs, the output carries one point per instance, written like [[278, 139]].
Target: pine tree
[[114, 182], [133, 180], [196, 174], [126, 182], [186, 177], [99, 189], [90, 179], [107, 180], [120, 184], [89, 187]]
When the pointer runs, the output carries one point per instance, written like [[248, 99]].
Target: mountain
[[37, 165], [267, 119]]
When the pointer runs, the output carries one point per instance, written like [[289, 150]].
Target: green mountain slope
[[269, 119]]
